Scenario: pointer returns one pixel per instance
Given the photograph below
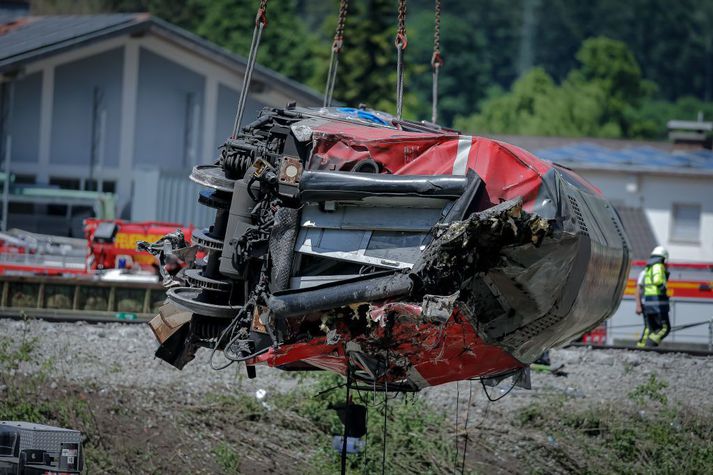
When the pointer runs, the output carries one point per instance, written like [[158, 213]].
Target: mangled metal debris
[[410, 254]]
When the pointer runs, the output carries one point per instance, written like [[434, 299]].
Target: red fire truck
[[108, 244]]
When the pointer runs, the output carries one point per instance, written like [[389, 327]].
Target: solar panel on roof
[[644, 156], [656, 158], [703, 165], [587, 147], [706, 154], [608, 157]]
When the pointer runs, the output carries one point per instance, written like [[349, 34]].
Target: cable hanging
[[436, 60], [401, 43], [337, 45], [455, 460], [465, 428], [346, 420], [260, 24], [386, 407]]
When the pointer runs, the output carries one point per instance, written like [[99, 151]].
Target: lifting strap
[[436, 60], [336, 49], [401, 43], [260, 24]]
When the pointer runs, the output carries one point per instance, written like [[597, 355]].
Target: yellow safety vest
[[655, 280]]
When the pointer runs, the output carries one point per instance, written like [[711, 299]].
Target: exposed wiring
[[514, 383]]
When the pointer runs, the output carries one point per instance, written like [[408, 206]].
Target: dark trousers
[[657, 324]]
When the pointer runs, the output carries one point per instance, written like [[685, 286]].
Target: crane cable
[[436, 60], [386, 408], [401, 42], [260, 24], [337, 45]]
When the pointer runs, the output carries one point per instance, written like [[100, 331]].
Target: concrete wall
[[657, 194], [25, 119], [72, 113], [169, 124]]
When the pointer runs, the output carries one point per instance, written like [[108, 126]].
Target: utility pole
[[6, 182], [7, 92]]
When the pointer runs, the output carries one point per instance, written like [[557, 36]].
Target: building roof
[[644, 158], [616, 154], [31, 38], [540, 142], [638, 229]]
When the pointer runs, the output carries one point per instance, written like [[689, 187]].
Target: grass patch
[[418, 437], [26, 398], [227, 458], [646, 435], [301, 422]]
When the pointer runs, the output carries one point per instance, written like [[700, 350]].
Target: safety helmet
[[660, 251]]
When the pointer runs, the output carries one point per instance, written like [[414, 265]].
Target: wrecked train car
[[409, 254]]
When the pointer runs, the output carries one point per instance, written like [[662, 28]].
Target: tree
[[537, 106], [367, 69], [286, 45], [609, 65], [598, 99]]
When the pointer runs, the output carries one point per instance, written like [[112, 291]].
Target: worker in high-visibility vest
[[654, 299]]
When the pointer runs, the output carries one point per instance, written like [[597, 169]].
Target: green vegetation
[[600, 98], [295, 429], [24, 398], [418, 438], [603, 68], [650, 436], [227, 457], [235, 432]]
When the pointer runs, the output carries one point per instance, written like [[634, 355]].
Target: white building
[[665, 196], [90, 101]]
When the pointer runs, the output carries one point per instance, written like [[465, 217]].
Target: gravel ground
[[141, 405], [121, 356], [114, 355], [597, 375]]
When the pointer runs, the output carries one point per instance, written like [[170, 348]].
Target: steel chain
[[260, 24], [401, 40], [401, 43], [339, 34], [436, 60], [337, 45], [261, 16]]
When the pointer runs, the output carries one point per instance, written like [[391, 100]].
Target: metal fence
[[168, 196]]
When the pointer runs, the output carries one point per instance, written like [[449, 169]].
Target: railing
[[79, 299], [44, 260]]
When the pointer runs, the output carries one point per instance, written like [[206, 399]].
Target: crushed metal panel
[[493, 255]]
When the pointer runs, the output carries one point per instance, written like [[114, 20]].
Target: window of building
[[23, 208], [686, 222], [107, 185], [63, 184]]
